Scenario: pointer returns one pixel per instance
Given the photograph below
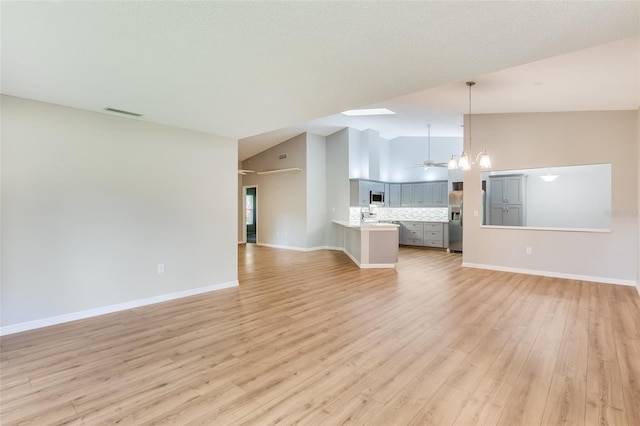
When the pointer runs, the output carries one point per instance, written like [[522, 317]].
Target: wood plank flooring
[[308, 338]]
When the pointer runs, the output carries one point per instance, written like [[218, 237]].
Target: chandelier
[[464, 162]]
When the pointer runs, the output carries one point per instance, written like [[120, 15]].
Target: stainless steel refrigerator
[[455, 221]]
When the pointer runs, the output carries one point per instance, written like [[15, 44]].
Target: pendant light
[[464, 163]]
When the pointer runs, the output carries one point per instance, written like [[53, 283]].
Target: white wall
[[91, 203], [532, 140], [337, 185], [400, 159], [407, 154], [358, 155], [371, 143], [316, 171], [281, 197], [385, 155], [638, 206]]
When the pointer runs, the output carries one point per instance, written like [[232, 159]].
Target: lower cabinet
[[429, 234]]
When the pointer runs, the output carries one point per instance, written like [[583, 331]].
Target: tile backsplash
[[427, 214]]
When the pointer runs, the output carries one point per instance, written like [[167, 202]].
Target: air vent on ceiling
[[120, 111], [282, 156]]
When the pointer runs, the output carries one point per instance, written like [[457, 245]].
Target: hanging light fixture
[[483, 159]]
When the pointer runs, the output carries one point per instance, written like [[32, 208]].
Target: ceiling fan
[[428, 163]]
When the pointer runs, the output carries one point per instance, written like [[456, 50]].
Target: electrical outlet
[[475, 213], [529, 251], [161, 268]]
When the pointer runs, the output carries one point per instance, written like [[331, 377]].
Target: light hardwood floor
[[308, 338]]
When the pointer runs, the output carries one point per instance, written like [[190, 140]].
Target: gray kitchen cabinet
[[412, 194], [375, 186], [433, 234], [438, 194], [359, 191], [406, 194], [511, 215], [506, 200], [412, 233], [418, 194], [506, 189], [425, 194], [429, 234], [395, 195]]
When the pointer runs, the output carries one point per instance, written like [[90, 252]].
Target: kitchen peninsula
[[370, 245]]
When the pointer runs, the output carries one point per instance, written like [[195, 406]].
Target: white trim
[[356, 261], [278, 246], [59, 319], [244, 209], [378, 266], [551, 274], [290, 169], [541, 228]]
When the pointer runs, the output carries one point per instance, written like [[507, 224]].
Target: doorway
[[250, 213]]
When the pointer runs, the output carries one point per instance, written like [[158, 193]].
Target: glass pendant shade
[[464, 162], [453, 163], [484, 161]]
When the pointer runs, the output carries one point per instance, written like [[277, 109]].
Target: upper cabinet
[[507, 189], [438, 194], [360, 190], [506, 200], [415, 194], [406, 194], [394, 198], [429, 194]]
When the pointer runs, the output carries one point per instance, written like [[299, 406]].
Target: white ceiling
[[239, 69], [604, 77]]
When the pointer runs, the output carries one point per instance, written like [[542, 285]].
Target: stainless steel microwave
[[376, 198]]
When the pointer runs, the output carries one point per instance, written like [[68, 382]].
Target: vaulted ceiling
[[240, 69]]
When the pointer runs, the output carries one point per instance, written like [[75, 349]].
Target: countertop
[[367, 226]]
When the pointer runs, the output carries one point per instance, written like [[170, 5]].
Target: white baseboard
[[378, 266], [551, 274], [290, 247], [353, 259], [59, 319]]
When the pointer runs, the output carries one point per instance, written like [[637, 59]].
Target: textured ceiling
[[239, 69], [604, 77]]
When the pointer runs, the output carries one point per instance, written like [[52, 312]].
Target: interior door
[[251, 216]]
